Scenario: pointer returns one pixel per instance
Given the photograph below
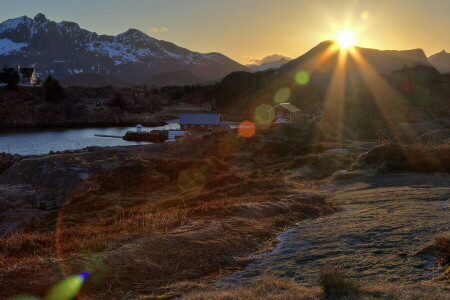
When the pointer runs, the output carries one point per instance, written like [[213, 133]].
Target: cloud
[[156, 29], [259, 61]]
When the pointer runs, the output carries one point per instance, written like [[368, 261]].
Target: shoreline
[[76, 125]]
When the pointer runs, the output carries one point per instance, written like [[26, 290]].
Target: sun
[[346, 38]]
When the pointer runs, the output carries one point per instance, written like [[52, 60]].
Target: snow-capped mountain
[[269, 62], [63, 49], [441, 61]]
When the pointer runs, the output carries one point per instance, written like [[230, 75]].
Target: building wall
[[199, 128]]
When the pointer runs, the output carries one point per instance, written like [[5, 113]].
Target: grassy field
[[190, 212]]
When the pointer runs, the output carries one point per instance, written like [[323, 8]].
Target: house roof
[[287, 106], [200, 119]]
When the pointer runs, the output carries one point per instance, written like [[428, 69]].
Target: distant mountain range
[[441, 61], [269, 62], [64, 49], [78, 56]]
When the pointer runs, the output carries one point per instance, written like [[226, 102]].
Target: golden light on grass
[[346, 39]]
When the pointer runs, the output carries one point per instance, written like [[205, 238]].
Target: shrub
[[416, 158], [53, 90], [336, 283], [443, 249], [11, 77], [118, 101]]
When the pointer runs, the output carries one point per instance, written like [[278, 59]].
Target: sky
[[252, 29]]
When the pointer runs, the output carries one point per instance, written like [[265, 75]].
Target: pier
[[108, 136]]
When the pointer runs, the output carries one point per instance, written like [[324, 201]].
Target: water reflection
[[42, 141]]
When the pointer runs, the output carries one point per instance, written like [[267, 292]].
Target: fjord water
[[385, 223], [42, 141]]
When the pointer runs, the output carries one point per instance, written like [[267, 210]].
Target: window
[[210, 127], [280, 113], [203, 126], [192, 126]]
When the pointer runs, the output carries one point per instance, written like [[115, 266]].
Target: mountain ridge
[[64, 49]]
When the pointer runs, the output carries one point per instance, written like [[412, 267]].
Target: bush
[[416, 158], [11, 77], [443, 249], [53, 90], [119, 102], [336, 283]]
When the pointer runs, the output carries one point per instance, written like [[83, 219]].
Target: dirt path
[[383, 216]]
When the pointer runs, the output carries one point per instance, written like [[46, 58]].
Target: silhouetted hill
[[322, 61]]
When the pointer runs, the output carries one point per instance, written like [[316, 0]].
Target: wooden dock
[[108, 136]]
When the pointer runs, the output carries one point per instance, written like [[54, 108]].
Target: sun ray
[[386, 98], [334, 103]]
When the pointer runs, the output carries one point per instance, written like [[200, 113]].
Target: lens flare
[[282, 95], [247, 129], [302, 77], [262, 114], [68, 288], [365, 15], [346, 38]]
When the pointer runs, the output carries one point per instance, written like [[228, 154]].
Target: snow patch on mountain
[[12, 24], [8, 47], [64, 48]]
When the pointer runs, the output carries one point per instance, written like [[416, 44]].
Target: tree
[[118, 101], [54, 91], [11, 77]]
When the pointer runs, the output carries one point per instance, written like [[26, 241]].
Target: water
[[382, 217], [42, 141]]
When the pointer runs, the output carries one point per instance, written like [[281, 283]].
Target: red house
[[284, 112], [202, 122]]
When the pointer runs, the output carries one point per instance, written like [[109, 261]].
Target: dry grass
[[283, 289], [158, 221], [263, 288]]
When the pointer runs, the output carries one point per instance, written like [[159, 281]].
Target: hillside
[[64, 49], [180, 77], [322, 61], [363, 96], [93, 80]]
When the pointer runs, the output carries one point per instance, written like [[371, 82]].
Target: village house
[[27, 75], [202, 122], [284, 112], [315, 112]]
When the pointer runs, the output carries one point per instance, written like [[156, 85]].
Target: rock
[[4, 205], [435, 137], [7, 160], [155, 136], [338, 151], [410, 132]]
